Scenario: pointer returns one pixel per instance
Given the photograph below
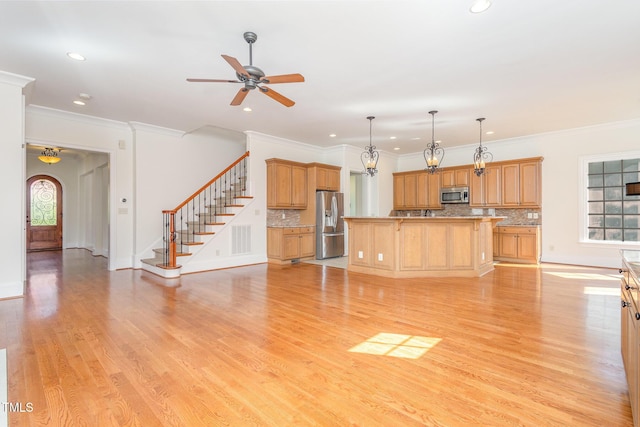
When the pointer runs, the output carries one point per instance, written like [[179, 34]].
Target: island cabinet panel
[[360, 252], [383, 245], [437, 236], [463, 246], [413, 249], [421, 246]]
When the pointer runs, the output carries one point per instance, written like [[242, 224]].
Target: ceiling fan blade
[[242, 93], [275, 95], [212, 80], [284, 78], [236, 65]]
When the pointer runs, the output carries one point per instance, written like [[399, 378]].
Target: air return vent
[[240, 239]]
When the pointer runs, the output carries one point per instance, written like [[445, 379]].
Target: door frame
[[59, 211]]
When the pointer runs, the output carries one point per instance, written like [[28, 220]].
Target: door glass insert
[[43, 203]]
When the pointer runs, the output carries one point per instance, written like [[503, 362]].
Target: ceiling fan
[[253, 77]]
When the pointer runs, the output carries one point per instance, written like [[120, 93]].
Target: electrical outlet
[[379, 257], [360, 254], [283, 216], [530, 215], [535, 215]]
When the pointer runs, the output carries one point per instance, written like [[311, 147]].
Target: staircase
[[195, 222]]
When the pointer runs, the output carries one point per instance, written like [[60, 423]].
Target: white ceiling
[[527, 66]]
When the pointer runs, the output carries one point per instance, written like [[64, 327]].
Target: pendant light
[[370, 156], [49, 156], [433, 154], [481, 156]]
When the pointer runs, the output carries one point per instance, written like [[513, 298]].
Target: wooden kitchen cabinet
[[521, 183], [455, 177], [629, 330], [327, 177], [485, 190], [289, 243], [517, 244], [509, 184], [416, 190], [286, 184]]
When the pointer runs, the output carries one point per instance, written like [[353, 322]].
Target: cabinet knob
[[624, 303], [621, 271], [637, 316]]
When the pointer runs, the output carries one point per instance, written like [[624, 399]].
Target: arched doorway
[[44, 213]]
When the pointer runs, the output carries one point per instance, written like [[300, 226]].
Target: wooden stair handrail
[[204, 187]]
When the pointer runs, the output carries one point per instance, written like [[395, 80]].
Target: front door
[[44, 213]]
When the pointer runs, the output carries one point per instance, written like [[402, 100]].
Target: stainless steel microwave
[[454, 195]]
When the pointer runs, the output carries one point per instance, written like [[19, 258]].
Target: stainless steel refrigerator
[[329, 224]]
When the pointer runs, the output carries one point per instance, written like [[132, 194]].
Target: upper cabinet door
[[511, 185], [286, 185], [530, 183]]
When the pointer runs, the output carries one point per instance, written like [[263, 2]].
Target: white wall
[[12, 176], [170, 167], [149, 169]]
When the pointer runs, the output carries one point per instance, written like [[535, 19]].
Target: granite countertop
[[440, 218], [517, 225], [291, 226]]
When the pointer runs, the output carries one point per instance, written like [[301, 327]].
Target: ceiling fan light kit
[[253, 77]]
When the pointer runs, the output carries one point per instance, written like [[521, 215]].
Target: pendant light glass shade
[[49, 156], [370, 156], [481, 156], [433, 154]]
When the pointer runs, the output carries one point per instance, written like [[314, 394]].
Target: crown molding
[[15, 79]]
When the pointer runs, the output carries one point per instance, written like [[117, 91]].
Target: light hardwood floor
[[308, 345]]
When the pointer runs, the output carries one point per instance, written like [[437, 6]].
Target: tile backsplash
[[513, 216], [283, 217]]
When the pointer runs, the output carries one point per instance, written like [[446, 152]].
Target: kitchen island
[[415, 246]]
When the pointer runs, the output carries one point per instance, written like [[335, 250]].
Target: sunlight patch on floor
[[584, 276], [396, 345]]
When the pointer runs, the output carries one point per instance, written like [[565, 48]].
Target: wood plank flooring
[[307, 345]]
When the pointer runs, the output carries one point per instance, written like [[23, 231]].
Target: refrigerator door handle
[[334, 212], [332, 234]]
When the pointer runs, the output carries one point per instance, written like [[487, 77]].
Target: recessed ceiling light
[[82, 99], [76, 56], [332, 135], [490, 132], [480, 6], [416, 138], [396, 148], [392, 137], [247, 109]]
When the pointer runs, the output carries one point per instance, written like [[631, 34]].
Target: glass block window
[[612, 215], [43, 203]]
